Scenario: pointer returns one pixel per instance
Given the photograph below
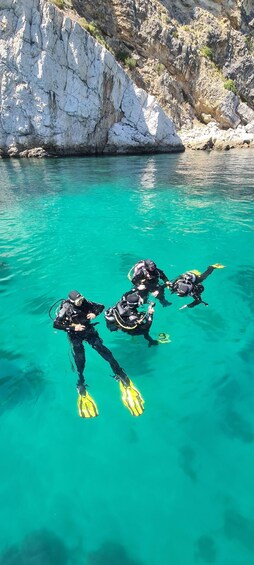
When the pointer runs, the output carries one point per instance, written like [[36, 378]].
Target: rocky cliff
[[197, 58], [62, 92], [110, 76]]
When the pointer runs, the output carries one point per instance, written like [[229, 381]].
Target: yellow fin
[[132, 399], [86, 406], [218, 266]]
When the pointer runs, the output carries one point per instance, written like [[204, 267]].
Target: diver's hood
[[133, 299], [150, 265]]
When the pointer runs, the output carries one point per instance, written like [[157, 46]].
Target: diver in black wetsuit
[[125, 316], [189, 284], [146, 278], [75, 317]]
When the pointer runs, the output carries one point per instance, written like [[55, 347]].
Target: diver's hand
[[155, 293], [182, 307], [168, 284], [141, 287], [79, 328], [150, 310], [91, 316]]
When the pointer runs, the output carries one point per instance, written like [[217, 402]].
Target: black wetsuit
[[195, 288], [151, 281], [128, 319], [70, 314]]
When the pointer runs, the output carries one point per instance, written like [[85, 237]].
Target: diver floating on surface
[[146, 276], [124, 316], [189, 284], [75, 317]]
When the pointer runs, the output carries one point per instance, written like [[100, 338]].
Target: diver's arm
[[163, 277], [94, 310], [150, 312], [66, 325], [59, 324], [145, 320]]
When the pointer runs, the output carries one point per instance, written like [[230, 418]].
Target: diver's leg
[[161, 296], [78, 352], [96, 342]]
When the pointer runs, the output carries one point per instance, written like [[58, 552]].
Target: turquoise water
[[175, 485]]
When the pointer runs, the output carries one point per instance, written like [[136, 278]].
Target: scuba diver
[[125, 316], [146, 278], [75, 316], [189, 284]]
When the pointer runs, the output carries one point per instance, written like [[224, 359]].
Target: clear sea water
[[175, 486]]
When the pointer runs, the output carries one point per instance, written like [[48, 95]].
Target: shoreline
[[211, 137]]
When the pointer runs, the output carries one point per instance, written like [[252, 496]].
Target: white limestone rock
[[246, 114], [64, 93], [212, 137]]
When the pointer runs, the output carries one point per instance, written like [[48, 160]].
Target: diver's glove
[[131, 397], [86, 405]]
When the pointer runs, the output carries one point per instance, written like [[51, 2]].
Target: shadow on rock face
[[110, 553], [39, 548]]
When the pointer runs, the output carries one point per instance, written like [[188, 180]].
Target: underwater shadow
[[18, 386], [38, 548], [240, 528], [205, 550], [111, 553]]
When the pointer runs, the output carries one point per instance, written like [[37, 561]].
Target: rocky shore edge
[[212, 137], [197, 138]]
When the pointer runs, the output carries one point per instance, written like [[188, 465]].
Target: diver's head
[[134, 300], [150, 265], [75, 297]]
